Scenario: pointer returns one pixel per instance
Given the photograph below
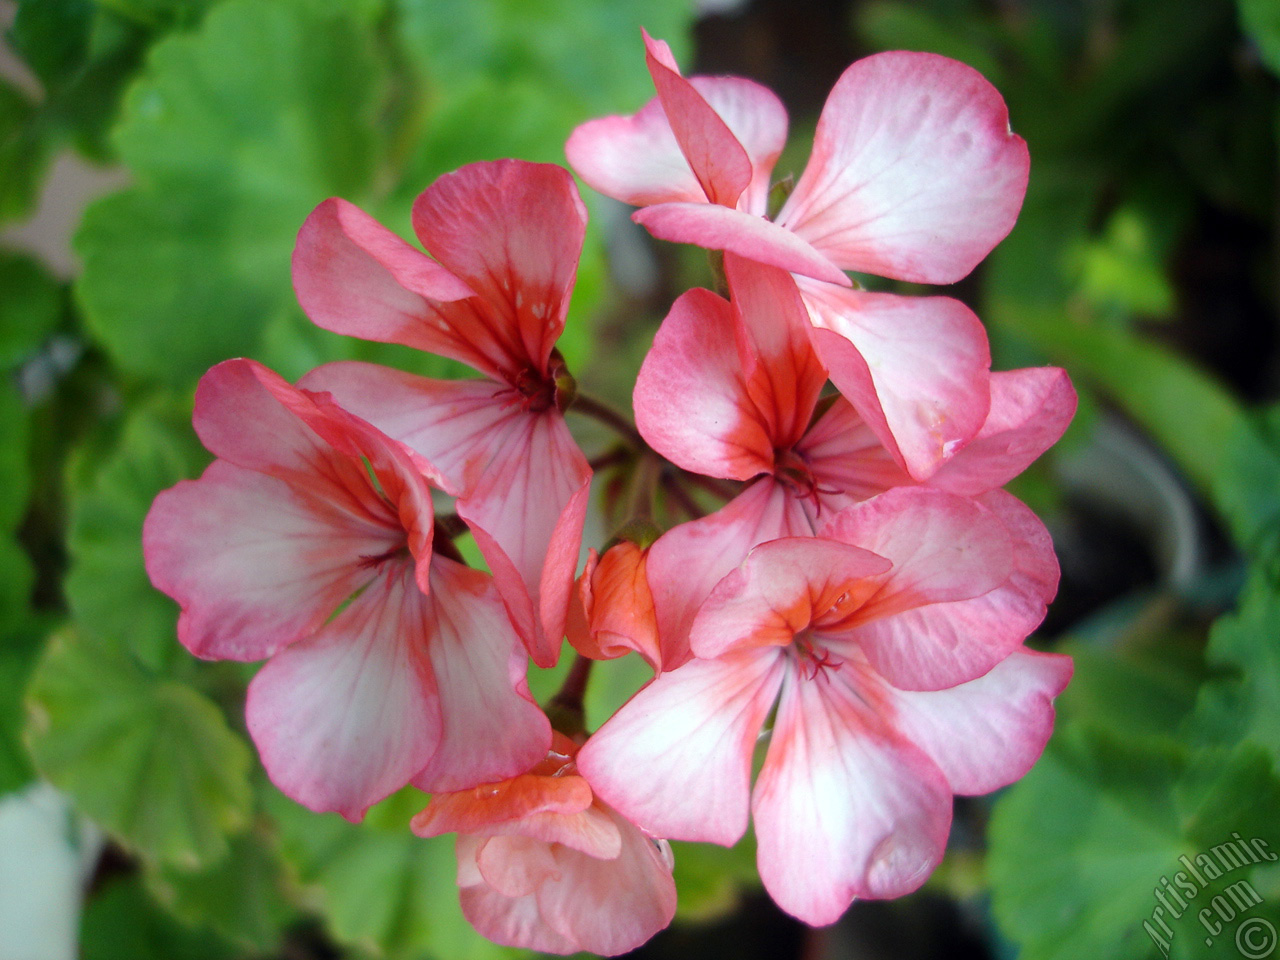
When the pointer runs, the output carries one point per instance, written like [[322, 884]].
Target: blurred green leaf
[[111, 597], [19, 649], [30, 308], [151, 760], [234, 134], [1122, 268], [1261, 21], [23, 153], [1195, 419], [1244, 706], [588, 54], [1079, 847], [893, 25], [711, 879], [244, 897], [379, 887], [121, 923]]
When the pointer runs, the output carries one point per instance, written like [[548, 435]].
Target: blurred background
[[156, 160]]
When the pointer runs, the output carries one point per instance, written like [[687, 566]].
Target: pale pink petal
[[915, 368], [355, 277], [716, 157], [349, 715], [691, 400], [780, 590], [687, 561], [844, 807], [1030, 410], [721, 228], [915, 173], [509, 921], [249, 415], [526, 511], [512, 231], [608, 907], [987, 733], [947, 612], [522, 482], [676, 759], [492, 729], [254, 564], [449, 423], [784, 376], [515, 865], [637, 159], [846, 456]]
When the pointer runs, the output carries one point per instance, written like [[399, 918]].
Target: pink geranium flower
[[309, 542], [544, 864], [731, 389], [914, 175], [846, 633], [505, 237]]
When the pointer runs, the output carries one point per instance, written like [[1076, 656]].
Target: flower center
[[811, 656]]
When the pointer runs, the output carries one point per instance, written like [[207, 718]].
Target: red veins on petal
[[306, 508]]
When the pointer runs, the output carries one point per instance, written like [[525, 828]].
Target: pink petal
[[720, 228], [843, 807], [1030, 410], [449, 423], [521, 479], [691, 401], [349, 715], [943, 615], [988, 732], [915, 368], [676, 759], [784, 376], [716, 157], [254, 565], [527, 511], [355, 277], [492, 729], [608, 907], [687, 561], [509, 921], [915, 173], [511, 231], [845, 455], [780, 590], [637, 159], [252, 417]]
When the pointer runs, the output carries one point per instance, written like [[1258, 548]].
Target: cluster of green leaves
[[232, 120], [1140, 116]]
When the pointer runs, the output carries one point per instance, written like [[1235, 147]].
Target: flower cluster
[[862, 595]]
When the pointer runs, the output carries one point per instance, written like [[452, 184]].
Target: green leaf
[[24, 155], [1245, 705], [111, 597], [30, 308], [121, 923], [379, 887], [234, 134], [711, 879], [151, 760], [52, 36], [1260, 19], [18, 653], [1195, 418], [1079, 847], [589, 54], [245, 897]]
